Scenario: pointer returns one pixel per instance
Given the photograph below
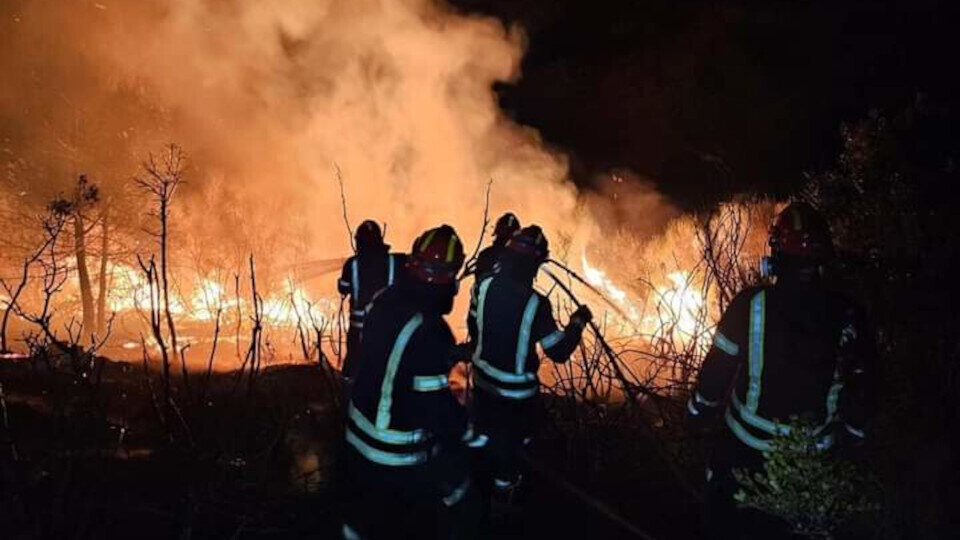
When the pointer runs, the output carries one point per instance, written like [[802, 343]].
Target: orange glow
[[265, 97]]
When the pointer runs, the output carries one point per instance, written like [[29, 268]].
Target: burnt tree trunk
[[83, 274], [14, 296], [102, 278], [162, 180], [165, 284]]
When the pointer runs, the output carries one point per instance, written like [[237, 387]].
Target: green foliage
[[889, 200], [813, 490], [869, 196]]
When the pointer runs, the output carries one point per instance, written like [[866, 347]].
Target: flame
[[295, 307], [598, 278], [208, 298], [678, 310], [130, 291], [289, 306]]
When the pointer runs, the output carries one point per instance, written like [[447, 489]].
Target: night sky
[[682, 91]]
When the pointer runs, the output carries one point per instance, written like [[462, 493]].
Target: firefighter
[[406, 460], [490, 255], [507, 318], [793, 349], [371, 269]]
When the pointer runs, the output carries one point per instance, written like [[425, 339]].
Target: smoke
[[266, 97]]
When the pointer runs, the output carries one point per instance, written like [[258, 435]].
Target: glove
[[581, 317]]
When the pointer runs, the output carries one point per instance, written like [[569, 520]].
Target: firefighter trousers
[[433, 500]]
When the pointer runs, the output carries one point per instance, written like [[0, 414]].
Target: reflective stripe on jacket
[[401, 411], [364, 275], [506, 321], [789, 356]]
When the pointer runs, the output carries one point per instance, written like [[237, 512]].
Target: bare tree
[[254, 354], [85, 196], [723, 236], [469, 266], [343, 203], [156, 322], [53, 277], [102, 277], [53, 223], [162, 176]]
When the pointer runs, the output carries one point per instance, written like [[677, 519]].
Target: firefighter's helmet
[[801, 231], [530, 242], [437, 256], [368, 235], [506, 226]]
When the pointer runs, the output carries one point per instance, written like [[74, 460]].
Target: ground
[[92, 461]]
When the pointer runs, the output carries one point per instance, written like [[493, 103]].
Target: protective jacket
[[402, 412], [780, 352], [507, 319], [405, 429], [488, 258], [362, 276]]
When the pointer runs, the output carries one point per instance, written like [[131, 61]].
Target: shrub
[[816, 492]]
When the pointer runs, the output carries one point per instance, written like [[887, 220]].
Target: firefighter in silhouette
[[507, 319], [406, 460], [791, 350], [371, 269], [490, 255]]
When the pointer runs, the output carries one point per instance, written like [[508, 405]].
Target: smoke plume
[[266, 97]]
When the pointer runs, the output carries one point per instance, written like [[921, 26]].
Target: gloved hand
[[581, 316]]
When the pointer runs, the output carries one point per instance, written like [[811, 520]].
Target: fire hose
[[593, 502], [630, 388], [586, 284]]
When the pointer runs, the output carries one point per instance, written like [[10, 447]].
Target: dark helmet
[[801, 232], [368, 235], [506, 226], [529, 242], [437, 256]]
